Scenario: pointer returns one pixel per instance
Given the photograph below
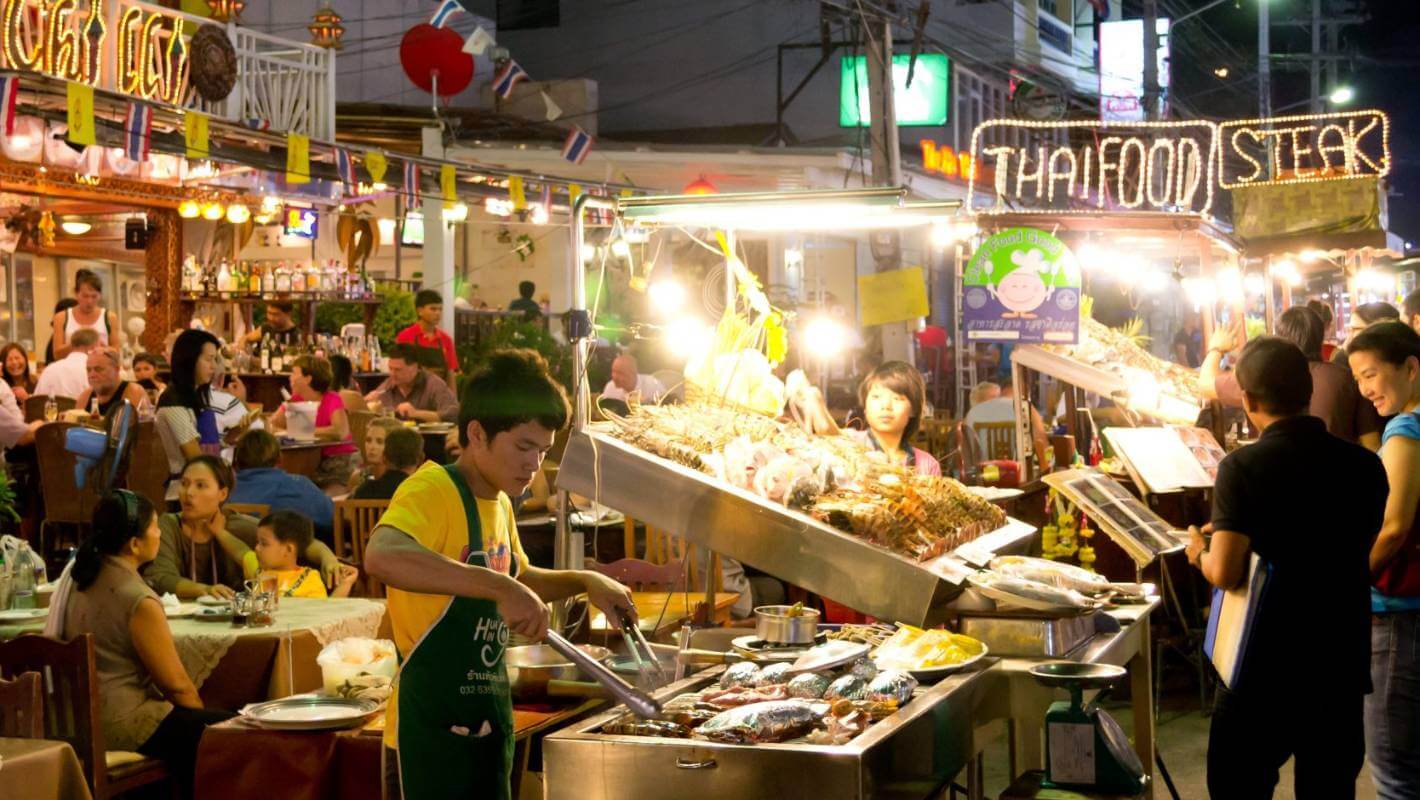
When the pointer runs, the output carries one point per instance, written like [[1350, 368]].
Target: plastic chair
[[355, 522], [34, 406], [72, 710], [22, 707]]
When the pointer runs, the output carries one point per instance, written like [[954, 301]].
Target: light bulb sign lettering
[[1304, 148], [69, 39], [1085, 167], [1022, 286]]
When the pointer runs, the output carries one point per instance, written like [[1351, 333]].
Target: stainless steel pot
[[537, 672], [775, 625]]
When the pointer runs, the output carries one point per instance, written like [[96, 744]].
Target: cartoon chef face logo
[[1023, 289]]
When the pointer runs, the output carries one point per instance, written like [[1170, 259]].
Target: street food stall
[[850, 711]]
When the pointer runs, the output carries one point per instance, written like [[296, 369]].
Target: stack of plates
[[310, 713], [16, 615]]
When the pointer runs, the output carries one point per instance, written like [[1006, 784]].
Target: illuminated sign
[[925, 102], [1155, 166], [1121, 49], [1299, 149], [302, 222], [59, 38], [942, 160]]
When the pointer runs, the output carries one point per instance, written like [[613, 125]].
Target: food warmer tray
[[1162, 406], [911, 754], [770, 537]]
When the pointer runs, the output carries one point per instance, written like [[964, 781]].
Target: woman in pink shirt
[[893, 398], [310, 380]]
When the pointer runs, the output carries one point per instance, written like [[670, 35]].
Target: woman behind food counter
[[893, 398], [1385, 358]]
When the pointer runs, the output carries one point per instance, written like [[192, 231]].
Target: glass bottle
[[23, 582], [268, 281], [51, 409], [254, 280], [283, 278]]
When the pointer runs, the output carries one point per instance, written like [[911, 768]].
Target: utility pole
[[885, 245], [1151, 60], [1264, 61], [1315, 65]]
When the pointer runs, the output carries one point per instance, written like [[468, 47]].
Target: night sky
[[1385, 74]]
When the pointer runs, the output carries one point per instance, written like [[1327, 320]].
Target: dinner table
[[40, 769], [234, 666], [239, 759]]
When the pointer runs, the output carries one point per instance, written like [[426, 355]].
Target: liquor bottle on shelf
[[191, 276], [283, 278], [224, 279], [298, 279], [254, 280], [364, 357], [266, 354], [268, 280], [278, 357]]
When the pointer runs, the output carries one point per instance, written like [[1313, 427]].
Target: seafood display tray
[[1108, 385], [778, 540], [910, 754]]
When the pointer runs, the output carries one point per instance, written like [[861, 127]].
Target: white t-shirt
[[647, 387], [68, 377], [12, 419], [1001, 409]]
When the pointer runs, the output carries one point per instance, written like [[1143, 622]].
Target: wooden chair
[[147, 472], [663, 549], [64, 502], [72, 710], [643, 576], [34, 406], [355, 521], [359, 423], [22, 707], [1000, 439], [257, 510]]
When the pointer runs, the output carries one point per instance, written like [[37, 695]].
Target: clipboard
[[1230, 621]]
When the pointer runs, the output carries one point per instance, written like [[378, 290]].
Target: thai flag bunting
[[507, 78], [137, 131], [411, 182], [258, 124], [578, 145], [345, 166], [546, 199], [447, 9], [9, 91]]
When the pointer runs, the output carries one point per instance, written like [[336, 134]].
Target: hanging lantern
[[226, 10], [213, 210], [700, 186], [325, 29], [189, 209]]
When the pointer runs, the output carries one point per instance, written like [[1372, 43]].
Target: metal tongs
[[640, 703], [648, 666]]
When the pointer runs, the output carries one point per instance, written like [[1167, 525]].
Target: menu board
[[1143, 534], [1167, 459]]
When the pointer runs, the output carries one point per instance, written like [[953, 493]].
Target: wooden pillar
[[163, 269]]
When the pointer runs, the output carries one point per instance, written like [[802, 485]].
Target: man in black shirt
[[1308, 505], [404, 449], [525, 302]]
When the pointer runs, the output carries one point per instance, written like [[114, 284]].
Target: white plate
[[23, 614], [937, 673], [180, 611]]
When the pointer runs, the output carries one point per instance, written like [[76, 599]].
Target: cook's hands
[[220, 591], [523, 610], [1197, 543], [609, 596]]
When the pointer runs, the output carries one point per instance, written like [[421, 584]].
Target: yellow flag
[[375, 164], [626, 192], [448, 183], [80, 99], [515, 193], [298, 158], [574, 190], [194, 133]]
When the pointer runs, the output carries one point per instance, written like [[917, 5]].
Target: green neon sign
[[926, 102]]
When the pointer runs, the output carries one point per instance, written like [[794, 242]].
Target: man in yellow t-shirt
[[458, 580]]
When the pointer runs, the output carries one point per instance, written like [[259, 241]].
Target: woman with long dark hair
[[186, 422], [150, 704], [15, 366]]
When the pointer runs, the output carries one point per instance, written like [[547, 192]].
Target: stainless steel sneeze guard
[[738, 524], [911, 754]]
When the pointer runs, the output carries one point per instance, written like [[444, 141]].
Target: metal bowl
[[1086, 676], [531, 667], [773, 624]]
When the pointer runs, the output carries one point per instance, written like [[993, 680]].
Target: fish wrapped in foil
[[774, 721], [744, 673], [773, 674], [809, 686], [891, 685], [864, 668], [846, 687]]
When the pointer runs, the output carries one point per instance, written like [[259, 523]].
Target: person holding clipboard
[[1313, 604], [459, 582]]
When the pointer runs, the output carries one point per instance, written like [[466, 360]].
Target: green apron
[[455, 706]]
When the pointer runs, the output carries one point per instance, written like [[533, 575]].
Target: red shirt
[[415, 335]]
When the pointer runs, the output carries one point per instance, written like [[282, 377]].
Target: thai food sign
[[1022, 286]]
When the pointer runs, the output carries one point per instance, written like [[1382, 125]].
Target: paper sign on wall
[[893, 296]]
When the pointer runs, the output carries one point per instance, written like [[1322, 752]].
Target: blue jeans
[[1393, 706]]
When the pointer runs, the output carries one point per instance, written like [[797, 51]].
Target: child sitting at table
[[279, 537], [374, 450]]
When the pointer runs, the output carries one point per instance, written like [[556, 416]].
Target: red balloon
[[427, 50]]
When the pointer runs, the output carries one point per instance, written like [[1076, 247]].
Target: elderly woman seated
[[149, 703], [206, 549]]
